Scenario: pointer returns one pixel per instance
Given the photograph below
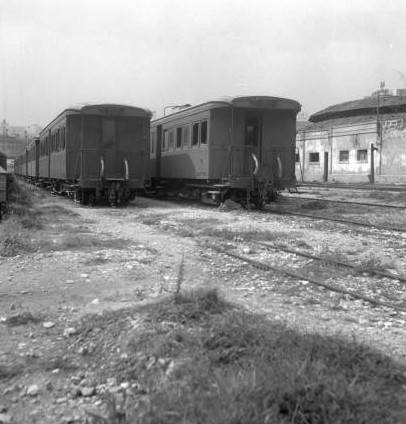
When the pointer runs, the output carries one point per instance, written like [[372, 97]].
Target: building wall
[[392, 167], [356, 138]]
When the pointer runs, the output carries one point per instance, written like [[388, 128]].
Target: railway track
[[371, 187], [265, 266], [340, 220], [381, 205], [372, 271]]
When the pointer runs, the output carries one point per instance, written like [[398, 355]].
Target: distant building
[[19, 131], [14, 139], [358, 141], [4, 127]]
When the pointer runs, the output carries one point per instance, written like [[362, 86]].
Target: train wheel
[[77, 196]]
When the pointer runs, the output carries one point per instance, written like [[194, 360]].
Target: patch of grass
[[20, 194], [83, 241], [56, 211], [202, 361], [14, 238], [335, 256], [61, 362], [24, 318], [10, 371], [303, 243], [185, 232], [152, 220], [380, 195], [314, 205], [243, 234], [99, 260], [189, 305], [245, 370], [375, 262]]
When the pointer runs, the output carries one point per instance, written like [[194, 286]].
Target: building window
[[362, 155], [297, 158], [314, 157], [179, 138], [344, 156], [195, 135], [203, 132]]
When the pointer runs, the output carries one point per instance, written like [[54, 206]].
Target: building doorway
[[325, 173]]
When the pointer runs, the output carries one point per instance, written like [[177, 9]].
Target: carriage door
[[158, 151], [108, 147], [253, 142], [49, 144]]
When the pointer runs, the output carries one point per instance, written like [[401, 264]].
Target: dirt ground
[[95, 259]]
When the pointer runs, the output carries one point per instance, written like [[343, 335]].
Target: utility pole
[[378, 126]]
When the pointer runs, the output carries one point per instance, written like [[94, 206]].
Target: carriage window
[[152, 144], [63, 137], [195, 134], [186, 136], [344, 156], [203, 132], [179, 138], [165, 141], [108, 136], [314, 157], [362, 155], [252, 130], [171, 140]]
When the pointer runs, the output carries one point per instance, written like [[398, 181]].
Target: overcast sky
[[154, 53]]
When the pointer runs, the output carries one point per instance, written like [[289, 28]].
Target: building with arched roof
[[357, 141]]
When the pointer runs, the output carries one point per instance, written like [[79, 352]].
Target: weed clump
[[10, 371], [200, 360], [314, 205], [24, 318], [190, 305]]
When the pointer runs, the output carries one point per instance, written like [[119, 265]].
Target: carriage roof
[[255, 102], [100, 109]]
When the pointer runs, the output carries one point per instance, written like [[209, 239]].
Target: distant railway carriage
[[241, 148], [3, 180], [91, 152]]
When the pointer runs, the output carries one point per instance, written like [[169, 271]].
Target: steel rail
[[381, 205], [344, 221], [371, 271], [310, 279], [396, 188]]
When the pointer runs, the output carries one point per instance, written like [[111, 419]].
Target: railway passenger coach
[[241, 148], [91, 152]]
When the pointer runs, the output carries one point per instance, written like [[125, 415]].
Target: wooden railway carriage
[[92, 151], [3, 180], [241, 148], [3, 161]]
